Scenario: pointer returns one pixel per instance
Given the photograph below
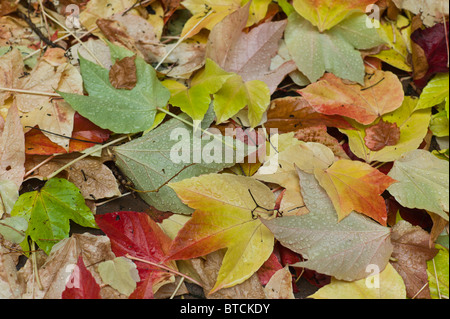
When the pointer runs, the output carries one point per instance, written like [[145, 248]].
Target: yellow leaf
[[387, 285], [201, 8], [225, 218]]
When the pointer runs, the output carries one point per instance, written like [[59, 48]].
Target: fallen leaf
[[247, 54], [280, 285], [10, 286], [120, 273], [49, 210], [422, 182], [436, 92], [334, 50], [116, 109], [208, 268], [381, 135], [413, 125], [123, 73], [57, 268], [224, 208], [391, 286], [9, 193], [137, 235], [437, 270], [12, 149], [318, 134], [236, 94], [397, 36], [292, 113], [11, 68], [13, 229], [94, 179], [381, 93], [430, 11], [355, 186], [344, 249], [142, 157], [81, 284], [325, 14], [433, 43], [200, 9], [411, 253], [195, 99], [85, 134]]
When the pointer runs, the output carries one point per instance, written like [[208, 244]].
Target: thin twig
[[30, 92], [76, 38], [164, 268], [112, 199], [39, 165], [177, 288]]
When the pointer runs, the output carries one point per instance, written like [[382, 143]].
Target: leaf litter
[[339, 149]]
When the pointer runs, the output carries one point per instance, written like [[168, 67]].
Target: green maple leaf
[[195, 99], [119, 110], [334, 50], [49, 210]]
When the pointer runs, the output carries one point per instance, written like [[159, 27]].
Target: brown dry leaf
[[17, 32], [293, 113], [60, 263], [139, 36], [11, 68], [381, 135], [439, 225], [411, 252], [208, 269], [123, 73], [7, 7], [10, 288], [52, 115], [280, 285], [431, 11], [94, 179], [419, 58], [12, 149], [248, 54], [318, 134]]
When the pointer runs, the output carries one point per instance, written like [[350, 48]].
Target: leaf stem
[[35, 268], [29, 92], [165, 268]]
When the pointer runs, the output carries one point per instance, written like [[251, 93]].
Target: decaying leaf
[[280, 285], [123, 73], [381, 135], [411, 253], [12, 149]]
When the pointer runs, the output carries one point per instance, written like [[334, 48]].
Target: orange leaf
[[355, 186], [382, 93]]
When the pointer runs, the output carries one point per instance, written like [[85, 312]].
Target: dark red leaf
[[138, 235], [434, 43], [81, 284]]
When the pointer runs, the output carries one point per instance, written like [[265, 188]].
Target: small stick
[[39, 165], [30, 92], [165, 268], [76, 37]]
